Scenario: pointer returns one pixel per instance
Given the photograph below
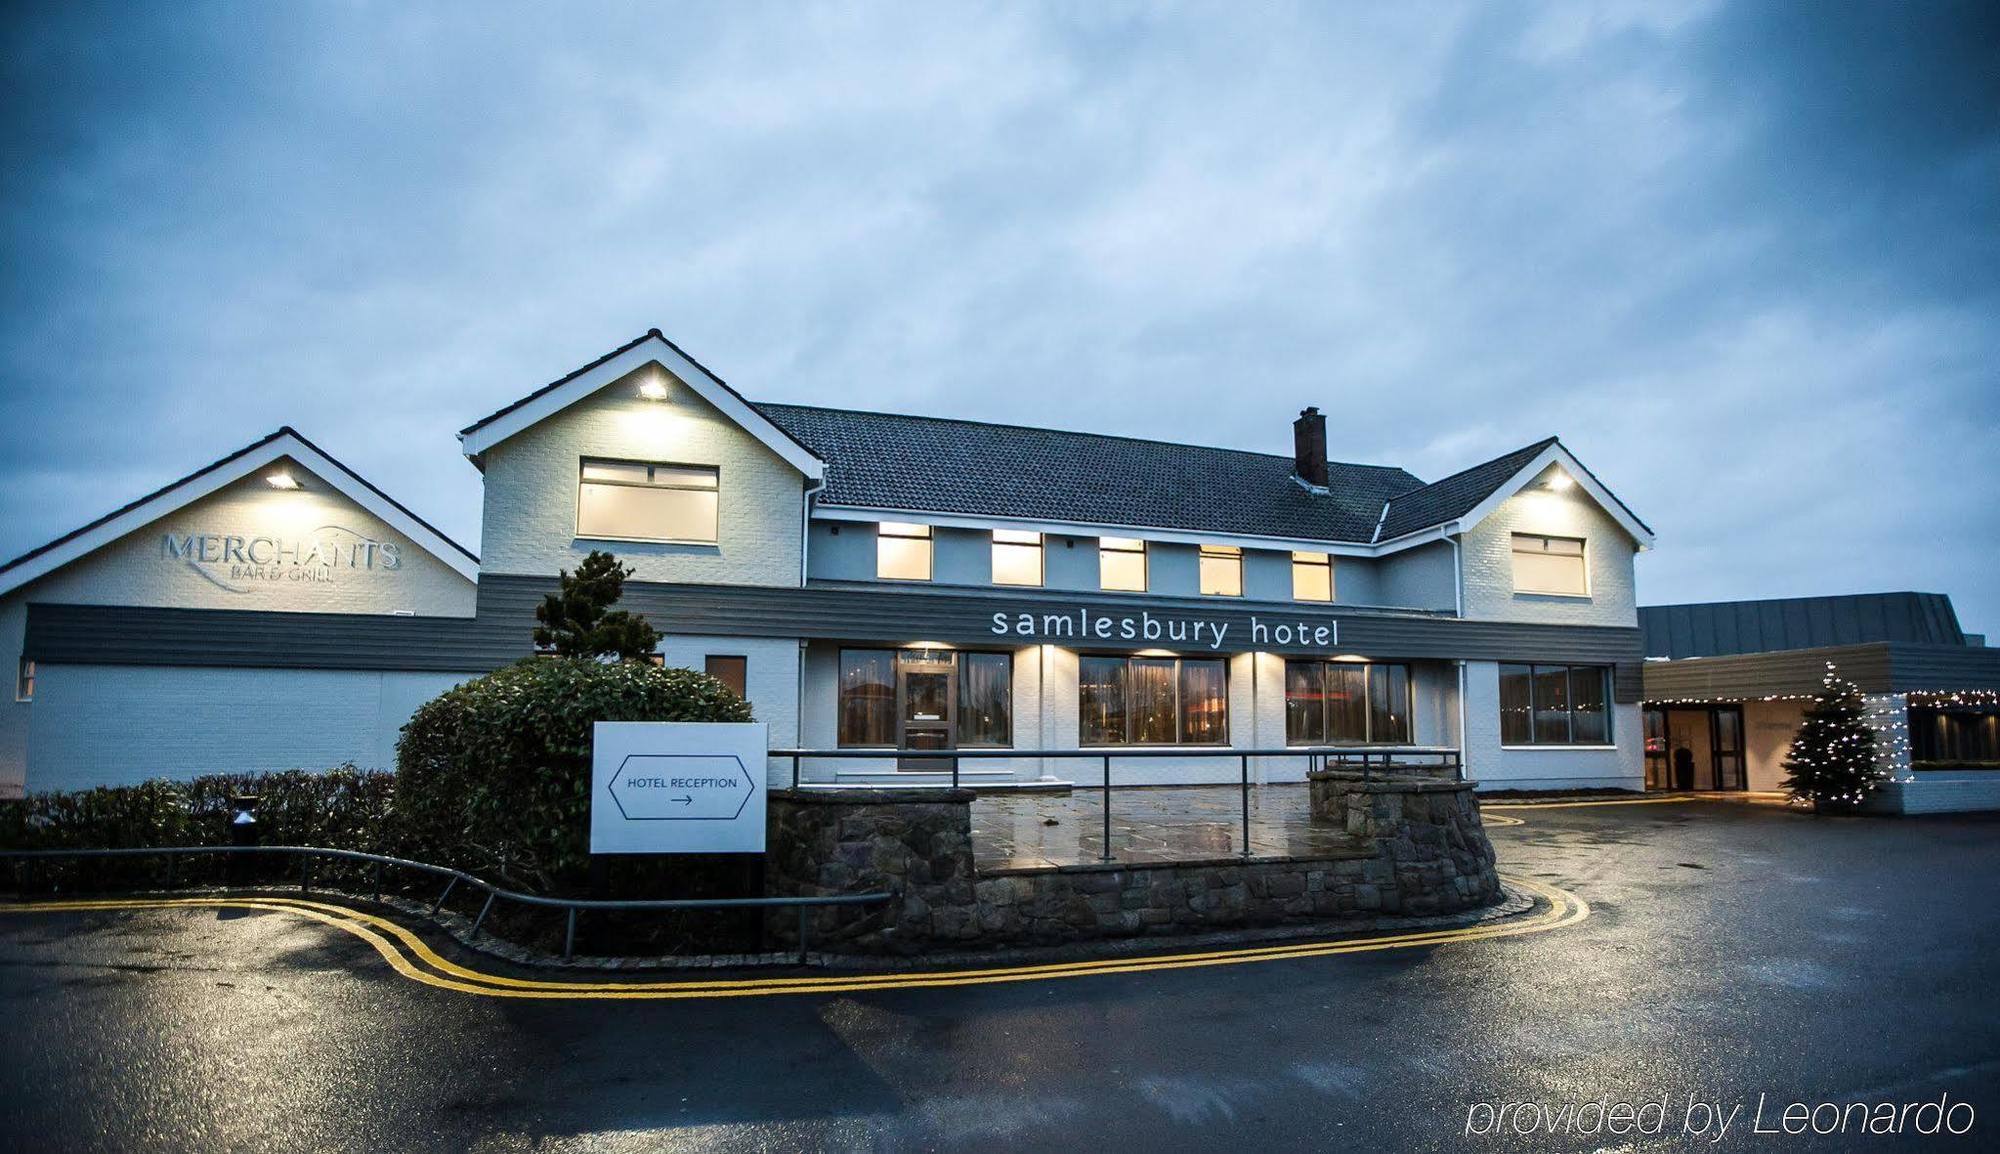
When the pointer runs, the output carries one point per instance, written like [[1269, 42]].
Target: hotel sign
[[240, 563], [1238, 631]]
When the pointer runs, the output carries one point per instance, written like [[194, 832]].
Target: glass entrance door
[[1727, 757], [927, 691], [1695, 748], [1659, 771]]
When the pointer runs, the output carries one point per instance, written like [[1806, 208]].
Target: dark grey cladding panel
[[1885, 667], [138, 635], [1752, 675], [851, 612], [1722, 628], [500, 633], [1944, 667]]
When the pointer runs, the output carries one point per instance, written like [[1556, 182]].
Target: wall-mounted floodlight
[[1559, 482], [281, 480], [653, 390]]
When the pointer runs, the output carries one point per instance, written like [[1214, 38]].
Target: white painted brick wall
[[771, 679], [137, 570], [116, 724], [1488, 553], [532, 478], [1619, 766]]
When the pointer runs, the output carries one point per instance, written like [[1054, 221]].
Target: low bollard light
[[242, 834]]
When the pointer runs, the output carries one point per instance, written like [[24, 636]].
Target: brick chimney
[[1309, 447]]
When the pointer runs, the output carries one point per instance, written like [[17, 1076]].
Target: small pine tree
[[1832, 763], [577, 621]]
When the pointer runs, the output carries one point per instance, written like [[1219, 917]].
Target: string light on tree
[[1835, 760]]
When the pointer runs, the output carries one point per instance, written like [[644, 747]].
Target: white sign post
[[677, 787]]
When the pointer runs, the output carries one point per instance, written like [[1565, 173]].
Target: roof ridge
[[1066, 433], [219, 462], [280, 433], [1529, 449]]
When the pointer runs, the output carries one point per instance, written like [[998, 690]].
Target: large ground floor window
[[1346, 703], [1152, 701], [1555, 705], [1955, 736], [925, 699]]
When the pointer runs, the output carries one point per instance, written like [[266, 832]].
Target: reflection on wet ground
[[1148, 824]]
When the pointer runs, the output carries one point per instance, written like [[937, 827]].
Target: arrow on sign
[[680, 787]]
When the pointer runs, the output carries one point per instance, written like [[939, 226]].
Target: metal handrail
[[573, 906], [1317, 756]]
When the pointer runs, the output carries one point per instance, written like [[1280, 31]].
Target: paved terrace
[[1158, 823]]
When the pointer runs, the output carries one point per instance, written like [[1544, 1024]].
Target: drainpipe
[[812, 489], [1458, 583]]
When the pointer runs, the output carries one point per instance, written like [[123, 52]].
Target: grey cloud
[[1740, 256]]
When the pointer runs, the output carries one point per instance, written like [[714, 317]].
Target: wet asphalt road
[[1732, 951]]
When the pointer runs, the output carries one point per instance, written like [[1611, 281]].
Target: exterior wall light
[[1559, 482], [653, 390], [281, 480]]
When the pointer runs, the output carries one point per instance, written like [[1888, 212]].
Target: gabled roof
[[653, 347], [1470, 495], [935, 465], [285, 443], [936, 468]]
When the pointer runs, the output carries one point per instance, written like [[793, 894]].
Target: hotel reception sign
[[677, 787]]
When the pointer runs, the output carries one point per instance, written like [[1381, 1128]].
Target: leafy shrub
[[343, 808], [493, 776]]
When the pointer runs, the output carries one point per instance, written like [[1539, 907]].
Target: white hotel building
[[870, 581]]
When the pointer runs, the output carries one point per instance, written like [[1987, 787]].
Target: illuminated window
[[1221, 571], [1346, 703], [24, 681], [985, 699], [902, 551], [1555, 705], [1549, 565], [1121, 564], [879, 687], [634, 501], [1152, 701], [867, 697], [1312, 577], [731, 671], [1956, 735], [1017, 557]]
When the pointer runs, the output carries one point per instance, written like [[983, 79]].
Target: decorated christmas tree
[[1832, 763]]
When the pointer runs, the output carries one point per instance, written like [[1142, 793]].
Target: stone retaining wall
[[1416, 847]]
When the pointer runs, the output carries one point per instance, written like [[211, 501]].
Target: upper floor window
[[902, 551], [1221, 571], [1312, 577], [24, 681], [1017, 557], [637, 501], [1555, 705], [1121, 564], [1549, 565], [1346, 703]]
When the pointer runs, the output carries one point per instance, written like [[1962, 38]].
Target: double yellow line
[[409, 956]]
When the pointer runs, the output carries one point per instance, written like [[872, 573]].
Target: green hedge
[[494, 775], [343, 808]]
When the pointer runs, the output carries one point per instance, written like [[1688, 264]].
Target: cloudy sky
[[1744, 259]]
